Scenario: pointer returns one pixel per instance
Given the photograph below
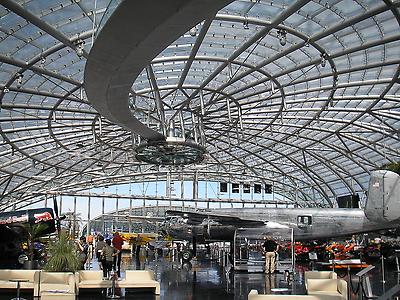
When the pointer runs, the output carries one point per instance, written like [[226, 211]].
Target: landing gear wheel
[[187, 255]]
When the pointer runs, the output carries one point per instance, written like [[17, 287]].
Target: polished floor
[[207, 279]]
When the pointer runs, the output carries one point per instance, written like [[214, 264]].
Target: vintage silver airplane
[[382, 211]]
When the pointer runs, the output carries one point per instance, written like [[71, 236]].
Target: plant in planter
[[74, 220], [32, 234], [63, 255]]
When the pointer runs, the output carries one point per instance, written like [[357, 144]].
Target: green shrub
[[63, 255]]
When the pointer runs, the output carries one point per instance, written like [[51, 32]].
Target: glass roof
[[306, 99]]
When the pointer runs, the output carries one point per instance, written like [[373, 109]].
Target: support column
[[88, 229], [102, 216], [182, 187], [112, 224], [263, 193], [74, 226], [182, 190], [168, 185], [206, 191], [241, 191], [195, 187], [117, 211], [130, 206], [60, 206], [229, 190], [206, 194], [273, 191]]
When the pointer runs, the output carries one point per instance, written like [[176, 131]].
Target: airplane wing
[[197, 218], [138, 218]]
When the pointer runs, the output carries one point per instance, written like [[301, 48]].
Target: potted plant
[[62, 255], [32, 234]]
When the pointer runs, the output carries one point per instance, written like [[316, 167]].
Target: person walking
[[117, 242], [89, 241], [83, 249], [270, 247], [99, 249], [108, 254]]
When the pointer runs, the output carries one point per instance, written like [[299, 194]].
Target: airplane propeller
[[58, 218]]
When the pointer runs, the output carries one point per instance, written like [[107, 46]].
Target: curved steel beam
[[115, 62]]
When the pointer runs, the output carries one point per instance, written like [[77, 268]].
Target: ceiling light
[[172, 151], [282, 37], [79, 51], [193, 31], [323, 60], [79, 47], [246, 24], [18, 79]]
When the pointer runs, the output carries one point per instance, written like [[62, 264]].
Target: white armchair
[[253, 295], [30, 275], [331, 287], [139, 279], [318, 275], [57, 283], [91, 279]]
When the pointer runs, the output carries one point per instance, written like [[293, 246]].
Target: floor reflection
[[207, 279]]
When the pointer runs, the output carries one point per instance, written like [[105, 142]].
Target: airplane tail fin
[[383, 202]]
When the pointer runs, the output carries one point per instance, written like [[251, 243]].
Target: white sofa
[[332, 287], [139, 279], [319, 275], [31, 275], [57, 296], [56, 283], [90, 279], [253, 295]]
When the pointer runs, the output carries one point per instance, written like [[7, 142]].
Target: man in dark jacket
[[270, 247]]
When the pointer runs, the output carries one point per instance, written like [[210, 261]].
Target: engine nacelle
[[383, 202]]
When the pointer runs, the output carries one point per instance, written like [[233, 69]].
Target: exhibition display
[[200, 149]]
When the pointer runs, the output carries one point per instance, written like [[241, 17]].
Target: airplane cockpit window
[[303, 221]]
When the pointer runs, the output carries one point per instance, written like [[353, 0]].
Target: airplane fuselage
[[317, 223], [307, 223]]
